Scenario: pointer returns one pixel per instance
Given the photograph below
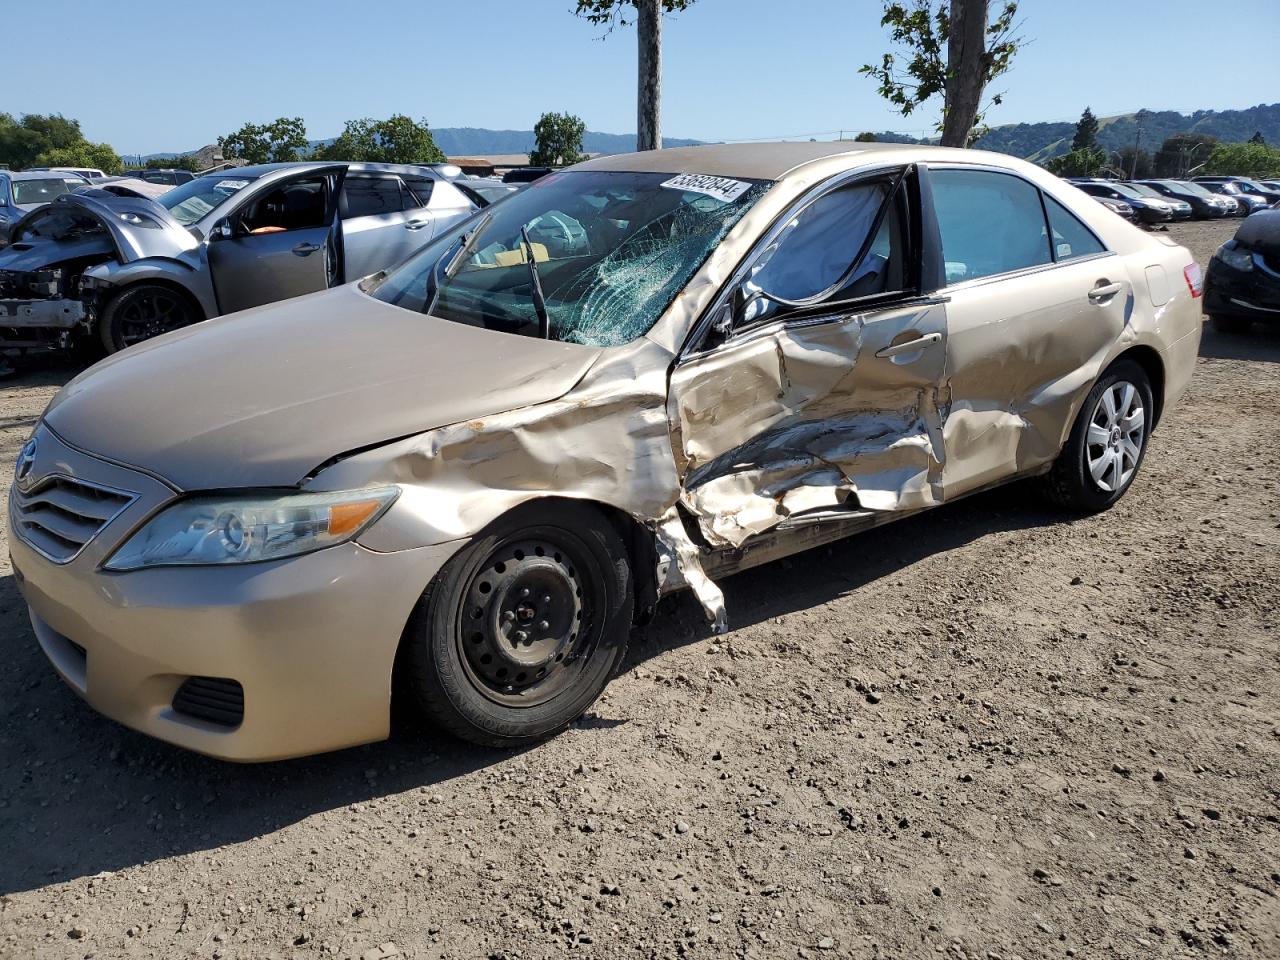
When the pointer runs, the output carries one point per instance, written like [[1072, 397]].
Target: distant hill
[[479, 142], [1042, 141], [1032, 141]]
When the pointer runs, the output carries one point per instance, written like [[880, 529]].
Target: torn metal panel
[[807, 416], [680, 566], [605, 440]]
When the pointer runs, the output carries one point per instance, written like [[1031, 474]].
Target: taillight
[[1195, 281]]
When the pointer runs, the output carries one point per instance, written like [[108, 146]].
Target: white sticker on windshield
[[722, 188], [231, 184]]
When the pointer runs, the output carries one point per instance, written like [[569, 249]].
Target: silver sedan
[[125, 269]]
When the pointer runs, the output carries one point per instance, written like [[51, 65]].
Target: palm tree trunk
[[649, 74], [966, 57]]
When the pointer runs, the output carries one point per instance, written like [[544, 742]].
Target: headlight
[[1236, 257], [245, 529]]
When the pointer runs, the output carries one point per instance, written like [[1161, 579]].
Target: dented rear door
[[1035, 305]]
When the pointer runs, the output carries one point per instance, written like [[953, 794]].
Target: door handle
[[306, 249], [416, 224], [1104, 291], [911, 346]]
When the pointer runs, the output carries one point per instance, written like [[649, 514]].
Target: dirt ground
[[985, 732]]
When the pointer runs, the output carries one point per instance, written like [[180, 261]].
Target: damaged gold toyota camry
[[468, 476]]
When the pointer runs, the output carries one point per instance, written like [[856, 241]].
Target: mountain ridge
[[1039, 141]]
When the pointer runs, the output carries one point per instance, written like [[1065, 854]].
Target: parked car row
[[1163, 200], [112, 266]]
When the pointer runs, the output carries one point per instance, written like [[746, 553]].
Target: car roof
[[268, 169], [36, 174], [754, 161]]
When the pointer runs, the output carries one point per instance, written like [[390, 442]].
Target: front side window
[[1071, 238], [847, 244], [39, 191], [610, 251], [370, 196], [990, 223], [296, 205]]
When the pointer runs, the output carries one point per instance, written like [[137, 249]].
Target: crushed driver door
[[830, 406]]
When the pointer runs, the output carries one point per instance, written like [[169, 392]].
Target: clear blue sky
[[172, 76]]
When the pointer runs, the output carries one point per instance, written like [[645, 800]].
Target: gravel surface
[[984, 732]]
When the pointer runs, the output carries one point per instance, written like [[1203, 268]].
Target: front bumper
[[311, 640], [58, 313]]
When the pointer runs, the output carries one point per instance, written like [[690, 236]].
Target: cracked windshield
[[596, 256]]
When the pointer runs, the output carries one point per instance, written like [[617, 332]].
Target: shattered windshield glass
[[611, 250], [194, 199]]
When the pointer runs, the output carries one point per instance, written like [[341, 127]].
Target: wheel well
[[1153, 367], [641, 554], [177, 288]]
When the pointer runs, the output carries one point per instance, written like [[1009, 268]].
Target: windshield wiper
[[535, 284], [455, 262]]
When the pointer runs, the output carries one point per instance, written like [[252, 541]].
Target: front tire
[[141, 312], [1107, 443], [522, 630]]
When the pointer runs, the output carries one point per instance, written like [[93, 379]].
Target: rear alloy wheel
[[522, 630], [1229, 324], [1107, 443], [141, 312]]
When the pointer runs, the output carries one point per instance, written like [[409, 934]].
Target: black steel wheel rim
[[530, 621], [144, 317]]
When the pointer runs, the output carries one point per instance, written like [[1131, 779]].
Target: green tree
[[648, 20], [184, 162], [955, 51], [25, 141], [1088, 162], [558, 140], [1244, 160], [1086, 136], [398, 139], [1134, 162], [866, 137], [280, 141], [1181, 153], [99, 156]]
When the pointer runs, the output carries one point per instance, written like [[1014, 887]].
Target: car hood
[[29, 255], [138, 227], [262, 398], [1261, 232]]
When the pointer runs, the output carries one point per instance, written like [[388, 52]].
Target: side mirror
[[222, 230]]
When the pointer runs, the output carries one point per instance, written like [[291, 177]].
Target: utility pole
[[1137, 139]]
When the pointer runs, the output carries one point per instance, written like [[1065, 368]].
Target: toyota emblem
[[26, 460]]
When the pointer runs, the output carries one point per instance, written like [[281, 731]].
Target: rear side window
[[418, 193], [370, 196], [1071, 238], [990, 223]]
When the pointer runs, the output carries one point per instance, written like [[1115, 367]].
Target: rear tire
[[143, 311], [1107, 443], [522, 630], [1224, 323]]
